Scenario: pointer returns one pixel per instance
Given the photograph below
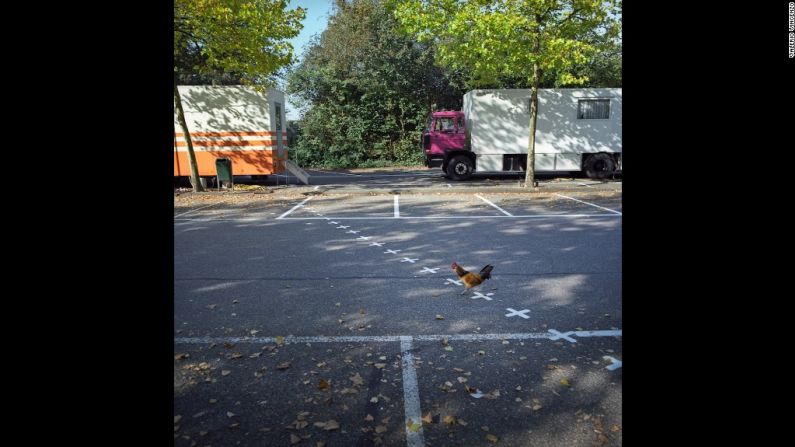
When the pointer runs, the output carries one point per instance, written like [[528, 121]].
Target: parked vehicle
[[576, 130]]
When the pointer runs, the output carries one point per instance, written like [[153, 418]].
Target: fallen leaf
[[177, 418], [427, 418], [439, 317], [255, 355], [449, 419], [212, 306], [199, 414], [615, 428], [493, 394], [228, 345], [380, 365], [236, 355], [294, 439], [461, 422], [356, 379], [349, 391], [229, 414], [323, 384], [564, 382], [374, 400], [225, 372], [448, 348], [279, 340], [320, 444], [369, 417], [321, 364], [283, 366], [462, 379], [385, 420], [181, 356], [458, 370], [331, 424], [380, 429], [253, 332], [484, 427], [212, 401], [536, 407], [492, 439], [413, 426]]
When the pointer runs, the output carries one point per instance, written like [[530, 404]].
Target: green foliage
[[501, 40], [367, 90], [244, 40]]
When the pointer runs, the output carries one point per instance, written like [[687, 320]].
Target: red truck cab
[[444, 143]]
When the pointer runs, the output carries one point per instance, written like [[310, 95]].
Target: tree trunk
[[194, 168], [530, 177]]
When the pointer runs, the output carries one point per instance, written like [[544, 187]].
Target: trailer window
[[593, 109]]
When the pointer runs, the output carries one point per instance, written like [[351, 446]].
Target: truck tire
[[600, 166], [459, 168]]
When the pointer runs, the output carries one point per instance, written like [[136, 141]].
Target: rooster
[[470, 279]]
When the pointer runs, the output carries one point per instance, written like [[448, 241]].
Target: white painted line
[[410, 260], [394, 252], [453, 281], [587, 203], [411, 395], [333, 223], [291, 339], [615, 365], [565, 335], [352, 231], [584, 184], [449, 185], [344, 226], [397, 205], [316, 187], [520, 313], [492, 204], [293, 209], [427, 270], [195, 209], [364, 238], [375, 244], [480, 295], [530, 216]]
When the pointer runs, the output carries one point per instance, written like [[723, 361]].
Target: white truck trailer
[[577, 130]]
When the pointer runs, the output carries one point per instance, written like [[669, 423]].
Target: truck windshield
[[444, 125], [428, 122]]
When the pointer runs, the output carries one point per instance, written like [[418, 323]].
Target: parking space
[[336, 319]]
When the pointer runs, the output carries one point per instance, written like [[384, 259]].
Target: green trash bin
[[223, 171]]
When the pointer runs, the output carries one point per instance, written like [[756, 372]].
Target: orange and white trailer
[[235, 122]]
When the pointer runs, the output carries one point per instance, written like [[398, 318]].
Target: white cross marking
[[480, 295], [427, 270], [557, 335], [452, 281], [410, 260], [394, 252], [352, 231], [520, 313], [616, 363], [343, 226], [364, 238], [334, 223], [376, 244]]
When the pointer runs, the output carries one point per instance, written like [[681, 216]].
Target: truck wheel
[[600, 166], [459, 168]]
